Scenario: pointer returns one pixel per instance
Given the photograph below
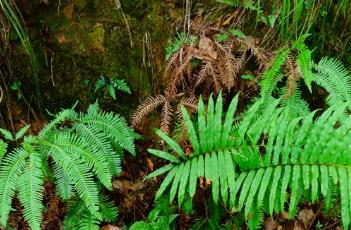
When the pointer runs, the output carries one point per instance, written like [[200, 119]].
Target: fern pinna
[[81, 147], [253, 165]]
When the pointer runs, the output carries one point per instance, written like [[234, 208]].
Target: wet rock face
[[76, 41]]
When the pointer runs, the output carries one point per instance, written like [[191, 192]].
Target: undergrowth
[[79, 152]]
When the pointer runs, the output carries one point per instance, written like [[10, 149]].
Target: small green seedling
[[112, 84]]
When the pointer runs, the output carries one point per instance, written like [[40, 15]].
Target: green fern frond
[[30, 188], [100, 83], [78, 217], [59, 118], [203, 161], [254, 218], [3, 149], [294, 105], [6, 134], [113, 126], [160, 217], [95, 159], [271, 76], [63, 185], [99, 144], [108, 210], [78, 172], [22, 132], [304, 61], [121, 85], [180, 40], [335, 79], [10, 172]]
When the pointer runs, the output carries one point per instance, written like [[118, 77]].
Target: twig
[[119, 6], [52, 71], [1, 94], [314, 217], [332, 225], [187, 22]]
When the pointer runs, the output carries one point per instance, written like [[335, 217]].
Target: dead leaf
[[68, 11], [139, 185], [110, 227], [61, 38], [298, 226], [206, 47], [270, 224], [231, 17], [122, 185], [204, 184], [150, 164], [306, 215], [285, 215], [188, 152]]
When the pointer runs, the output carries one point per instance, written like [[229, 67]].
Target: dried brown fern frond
[[217, 86], [203, 73], [166, 117], [250, 43], [294, 75], [179, 71], [179, 67], [188, 102], [239, 63], [230, 72], [147, 107]]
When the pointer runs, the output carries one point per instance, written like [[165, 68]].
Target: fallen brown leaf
[[306, 215], [150, 164], [110, 227], [270, 224], [68, 11], [298, 226]]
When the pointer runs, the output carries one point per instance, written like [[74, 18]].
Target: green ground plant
[[160, 217], [297, 158], [112, 84], [292, 18], [79, 152], [10, 11]]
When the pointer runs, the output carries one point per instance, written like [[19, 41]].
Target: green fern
[[160, 217], [304, 60], [272, 75], [297, 157], [80, 152], [294, 105], [112, 84], [79, 218], [335, 79], [3, 149], [212, 220], [329, 73]]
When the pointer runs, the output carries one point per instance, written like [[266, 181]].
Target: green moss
[[80, 4], [94, 41]]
